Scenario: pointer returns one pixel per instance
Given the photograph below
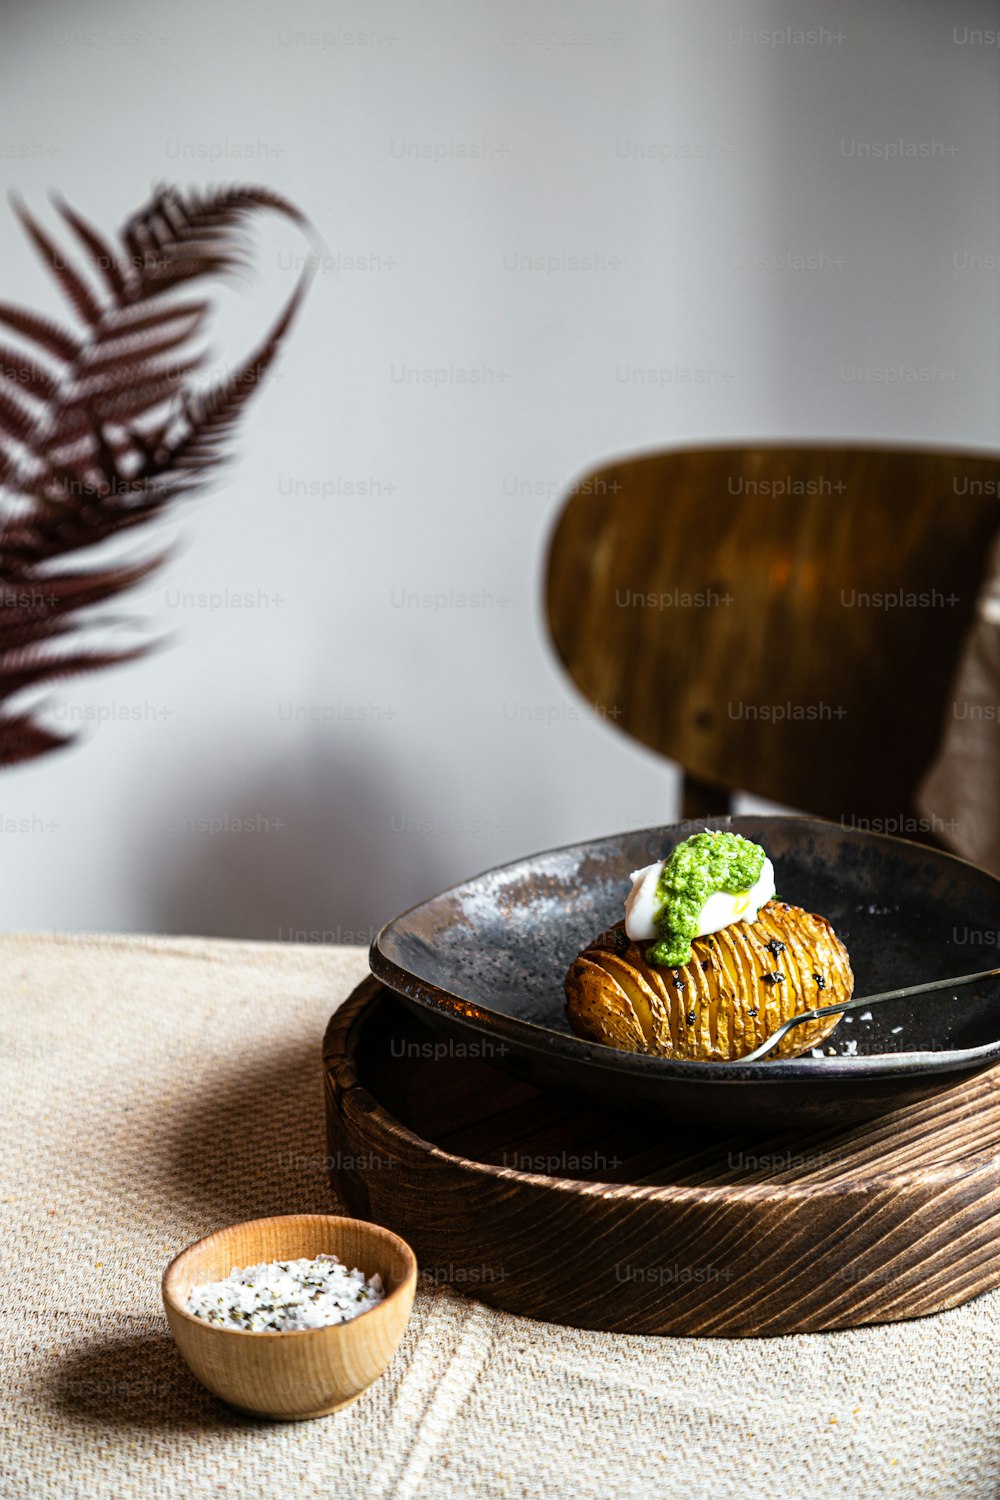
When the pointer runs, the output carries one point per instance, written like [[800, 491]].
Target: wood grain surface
[[733, 609], [544, 1207]]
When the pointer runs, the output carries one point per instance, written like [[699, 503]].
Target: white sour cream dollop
[[719, 910]]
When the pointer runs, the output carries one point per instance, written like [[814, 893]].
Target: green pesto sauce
[[697, 869]]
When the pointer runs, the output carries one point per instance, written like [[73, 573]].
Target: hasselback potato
[[736, 989]]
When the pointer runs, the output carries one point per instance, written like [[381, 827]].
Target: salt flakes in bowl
[[286, 1296]]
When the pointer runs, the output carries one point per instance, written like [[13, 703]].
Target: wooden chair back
[[781, 621]]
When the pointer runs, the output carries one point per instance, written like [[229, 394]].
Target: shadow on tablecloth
[[137, 1382]]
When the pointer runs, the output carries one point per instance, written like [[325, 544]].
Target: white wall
[[671, 141]]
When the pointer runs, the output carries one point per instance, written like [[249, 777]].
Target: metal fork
[[861, 1004]]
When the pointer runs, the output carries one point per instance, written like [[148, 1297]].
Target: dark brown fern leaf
[[35, 610], [100, 427], [24, 738], [28, 668], [211, 416]]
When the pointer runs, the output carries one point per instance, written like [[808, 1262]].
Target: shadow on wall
[[310, 850]]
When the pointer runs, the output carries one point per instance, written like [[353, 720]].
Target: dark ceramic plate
[[484, 963]]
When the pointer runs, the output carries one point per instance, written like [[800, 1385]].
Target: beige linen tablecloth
[[155, 1089]]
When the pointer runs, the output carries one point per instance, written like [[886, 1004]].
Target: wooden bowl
[[310, 1372]]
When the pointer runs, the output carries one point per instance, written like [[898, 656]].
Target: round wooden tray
[[541, 1206]]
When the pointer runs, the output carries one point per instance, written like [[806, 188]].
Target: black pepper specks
[[820, 981], [775, 978], [690, 1017], [752, 1011], [775, 946]]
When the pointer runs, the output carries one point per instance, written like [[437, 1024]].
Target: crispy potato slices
[[737, 988]]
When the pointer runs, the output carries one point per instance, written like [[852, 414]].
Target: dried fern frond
[[100, 425]]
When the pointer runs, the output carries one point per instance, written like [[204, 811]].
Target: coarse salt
[[286, 1296]]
